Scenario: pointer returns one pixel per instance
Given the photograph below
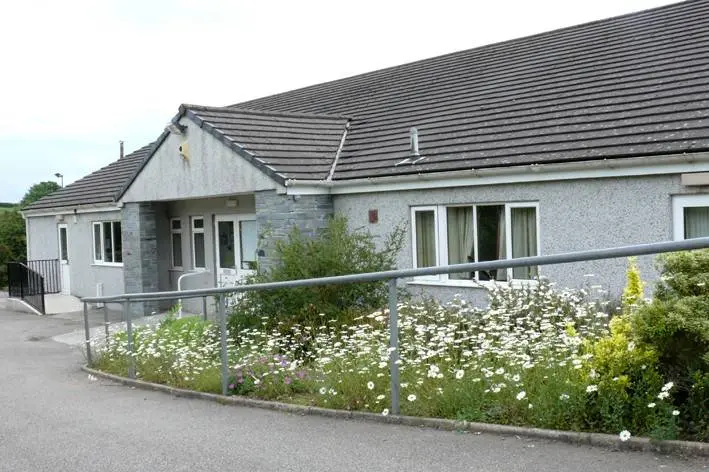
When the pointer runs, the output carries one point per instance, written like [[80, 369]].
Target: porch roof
[[285, 145]]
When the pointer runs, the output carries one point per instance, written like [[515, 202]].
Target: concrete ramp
[[56, 303]]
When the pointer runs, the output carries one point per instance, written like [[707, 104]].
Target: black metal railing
[[26, 284], [50, 270]]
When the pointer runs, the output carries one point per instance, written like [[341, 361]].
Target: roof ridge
[[255, 111]]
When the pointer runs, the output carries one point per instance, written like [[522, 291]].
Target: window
[[198, 260], [108, 243], [176, 242], [459, 234], [690, 216], [425, 236], [248, 236], [63, 244]]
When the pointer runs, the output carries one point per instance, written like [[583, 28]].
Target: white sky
[[77, 76]]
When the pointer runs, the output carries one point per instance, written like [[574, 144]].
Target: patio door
[[63, 236], [236, 240]]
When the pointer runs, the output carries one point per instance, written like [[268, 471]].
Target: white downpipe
[[179, 287]]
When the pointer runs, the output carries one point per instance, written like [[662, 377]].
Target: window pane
[[176, 224], [63, 245], [117, 242], [460, 239], [696, 222], [227, 255], [425, 238], [98, 255], [491, 239], [249, 241], [107, 245], [176, 249], [199, 250], [198, 223], [524, 240]]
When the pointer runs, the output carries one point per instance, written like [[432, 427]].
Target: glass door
[[236, 242]]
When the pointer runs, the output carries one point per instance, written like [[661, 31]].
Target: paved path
[[52, 418]]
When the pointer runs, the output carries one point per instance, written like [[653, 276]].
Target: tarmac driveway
[[53, 418]]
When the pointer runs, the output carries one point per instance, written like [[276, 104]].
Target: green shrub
[[676, 325], [634, 288], [696, 417], [335, 251], [676, 322], [12, 241]]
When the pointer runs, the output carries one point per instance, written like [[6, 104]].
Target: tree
[[12, 241], [38, 191]]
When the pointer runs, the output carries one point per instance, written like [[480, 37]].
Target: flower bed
[[536, 357]]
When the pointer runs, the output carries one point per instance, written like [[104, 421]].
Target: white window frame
[[65, 227], [193, 232], [437, 236], [441, 218], [172, 244], [102, 251], [679, 203]]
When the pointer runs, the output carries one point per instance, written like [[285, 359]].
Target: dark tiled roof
[[99, 187], [284, 145], [633, 85]]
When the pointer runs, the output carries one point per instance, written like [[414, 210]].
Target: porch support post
[[140, 254]]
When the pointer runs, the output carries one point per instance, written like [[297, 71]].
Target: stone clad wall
[[140, 254], [277, 214]]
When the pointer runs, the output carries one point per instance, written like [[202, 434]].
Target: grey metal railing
[[391, 276]]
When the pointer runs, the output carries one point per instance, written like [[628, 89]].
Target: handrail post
[[106, 324], [394, 346], [87, 335], [129, 335], [41, 283], [223, 344], [204, 308]]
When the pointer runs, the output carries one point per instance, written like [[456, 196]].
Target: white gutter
[[70, 210], [632, 166]]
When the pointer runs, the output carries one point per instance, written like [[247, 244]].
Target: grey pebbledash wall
[[277, 214], [573, 216], [85, 273], [140, 253]]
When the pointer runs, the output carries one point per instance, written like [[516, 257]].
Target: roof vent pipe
[[121, 153], [414, 142]]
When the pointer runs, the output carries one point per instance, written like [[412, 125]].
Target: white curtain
[[425, 238], [524, 239], [696, 222], [460, 238]]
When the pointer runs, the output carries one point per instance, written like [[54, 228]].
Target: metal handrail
[[563, 258], [391, 276], [179, 288], [30, 284]]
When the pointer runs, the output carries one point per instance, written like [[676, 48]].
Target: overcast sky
[[77, 76]]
